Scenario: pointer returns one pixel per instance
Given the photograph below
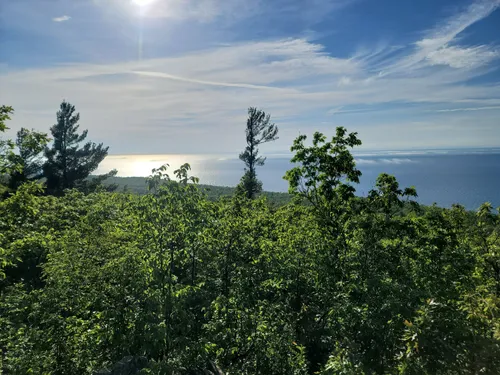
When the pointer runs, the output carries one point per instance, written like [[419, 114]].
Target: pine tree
[[30, 146], [6, 146], [68, 165], [259, 130]]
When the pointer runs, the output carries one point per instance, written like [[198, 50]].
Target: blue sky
[[176, 76]]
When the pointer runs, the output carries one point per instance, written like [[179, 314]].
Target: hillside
[[138, 185]]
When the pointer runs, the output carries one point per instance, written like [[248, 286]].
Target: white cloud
[[397, 161], [209, 83], [196, 101], [61, 19], [193, 102], [469, 109], [467, 58], [447, 31], [384, 161], [437, 47]]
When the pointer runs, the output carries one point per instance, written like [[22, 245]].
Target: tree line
[[68, 163], [104, 282], [64, 165]]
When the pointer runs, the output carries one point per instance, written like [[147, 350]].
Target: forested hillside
[[138, 185], [171, 282]]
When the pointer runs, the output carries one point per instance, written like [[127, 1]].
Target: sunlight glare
[[143, 3]]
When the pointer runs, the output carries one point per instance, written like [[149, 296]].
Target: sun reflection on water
[[142, 165]]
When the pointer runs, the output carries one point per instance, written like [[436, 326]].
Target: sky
[[177, 76]]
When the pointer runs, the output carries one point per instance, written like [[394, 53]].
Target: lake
[[443, 176]]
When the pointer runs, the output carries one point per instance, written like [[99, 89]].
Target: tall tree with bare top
[[259, 130]]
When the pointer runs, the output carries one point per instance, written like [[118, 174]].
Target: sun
[[143, 3]]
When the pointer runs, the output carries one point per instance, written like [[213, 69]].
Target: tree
[[487, 241], [171, 282], [325, 173], [5, 111], [322, 179], [259, 130], [67, 165], [96, 183], [387, 194], [6, 146], [30, 145]]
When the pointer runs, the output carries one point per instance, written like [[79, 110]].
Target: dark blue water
[[467, 179], [444, 179]]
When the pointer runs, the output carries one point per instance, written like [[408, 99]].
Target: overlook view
[[219, 187]]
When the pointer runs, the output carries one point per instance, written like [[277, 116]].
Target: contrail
[[212, 83]]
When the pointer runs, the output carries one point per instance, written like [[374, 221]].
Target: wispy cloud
[[447, 31], [468, 58], [191, 101], [437, 47], [209, 83], [204, 95], [398, 161], [61, 19], [469, 109]]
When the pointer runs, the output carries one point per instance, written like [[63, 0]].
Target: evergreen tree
[[259, 130], [30, 145], [68, 165], [6, 149], [96, 183], [6, 146]]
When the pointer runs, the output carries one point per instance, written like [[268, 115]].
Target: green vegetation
[[138, 185], [30, 145], [6, 146], [172, 282]]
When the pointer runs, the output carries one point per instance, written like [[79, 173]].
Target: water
[[444, 177]]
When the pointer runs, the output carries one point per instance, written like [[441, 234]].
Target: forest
[[100, 280]]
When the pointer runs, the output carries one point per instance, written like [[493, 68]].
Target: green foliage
[[324, 177], [6, 147], [172, 282], [259, 130], [68, 165], [5, 112], [95, 183], [387, 195], [30, 145], [325, 167], [138, 185]]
